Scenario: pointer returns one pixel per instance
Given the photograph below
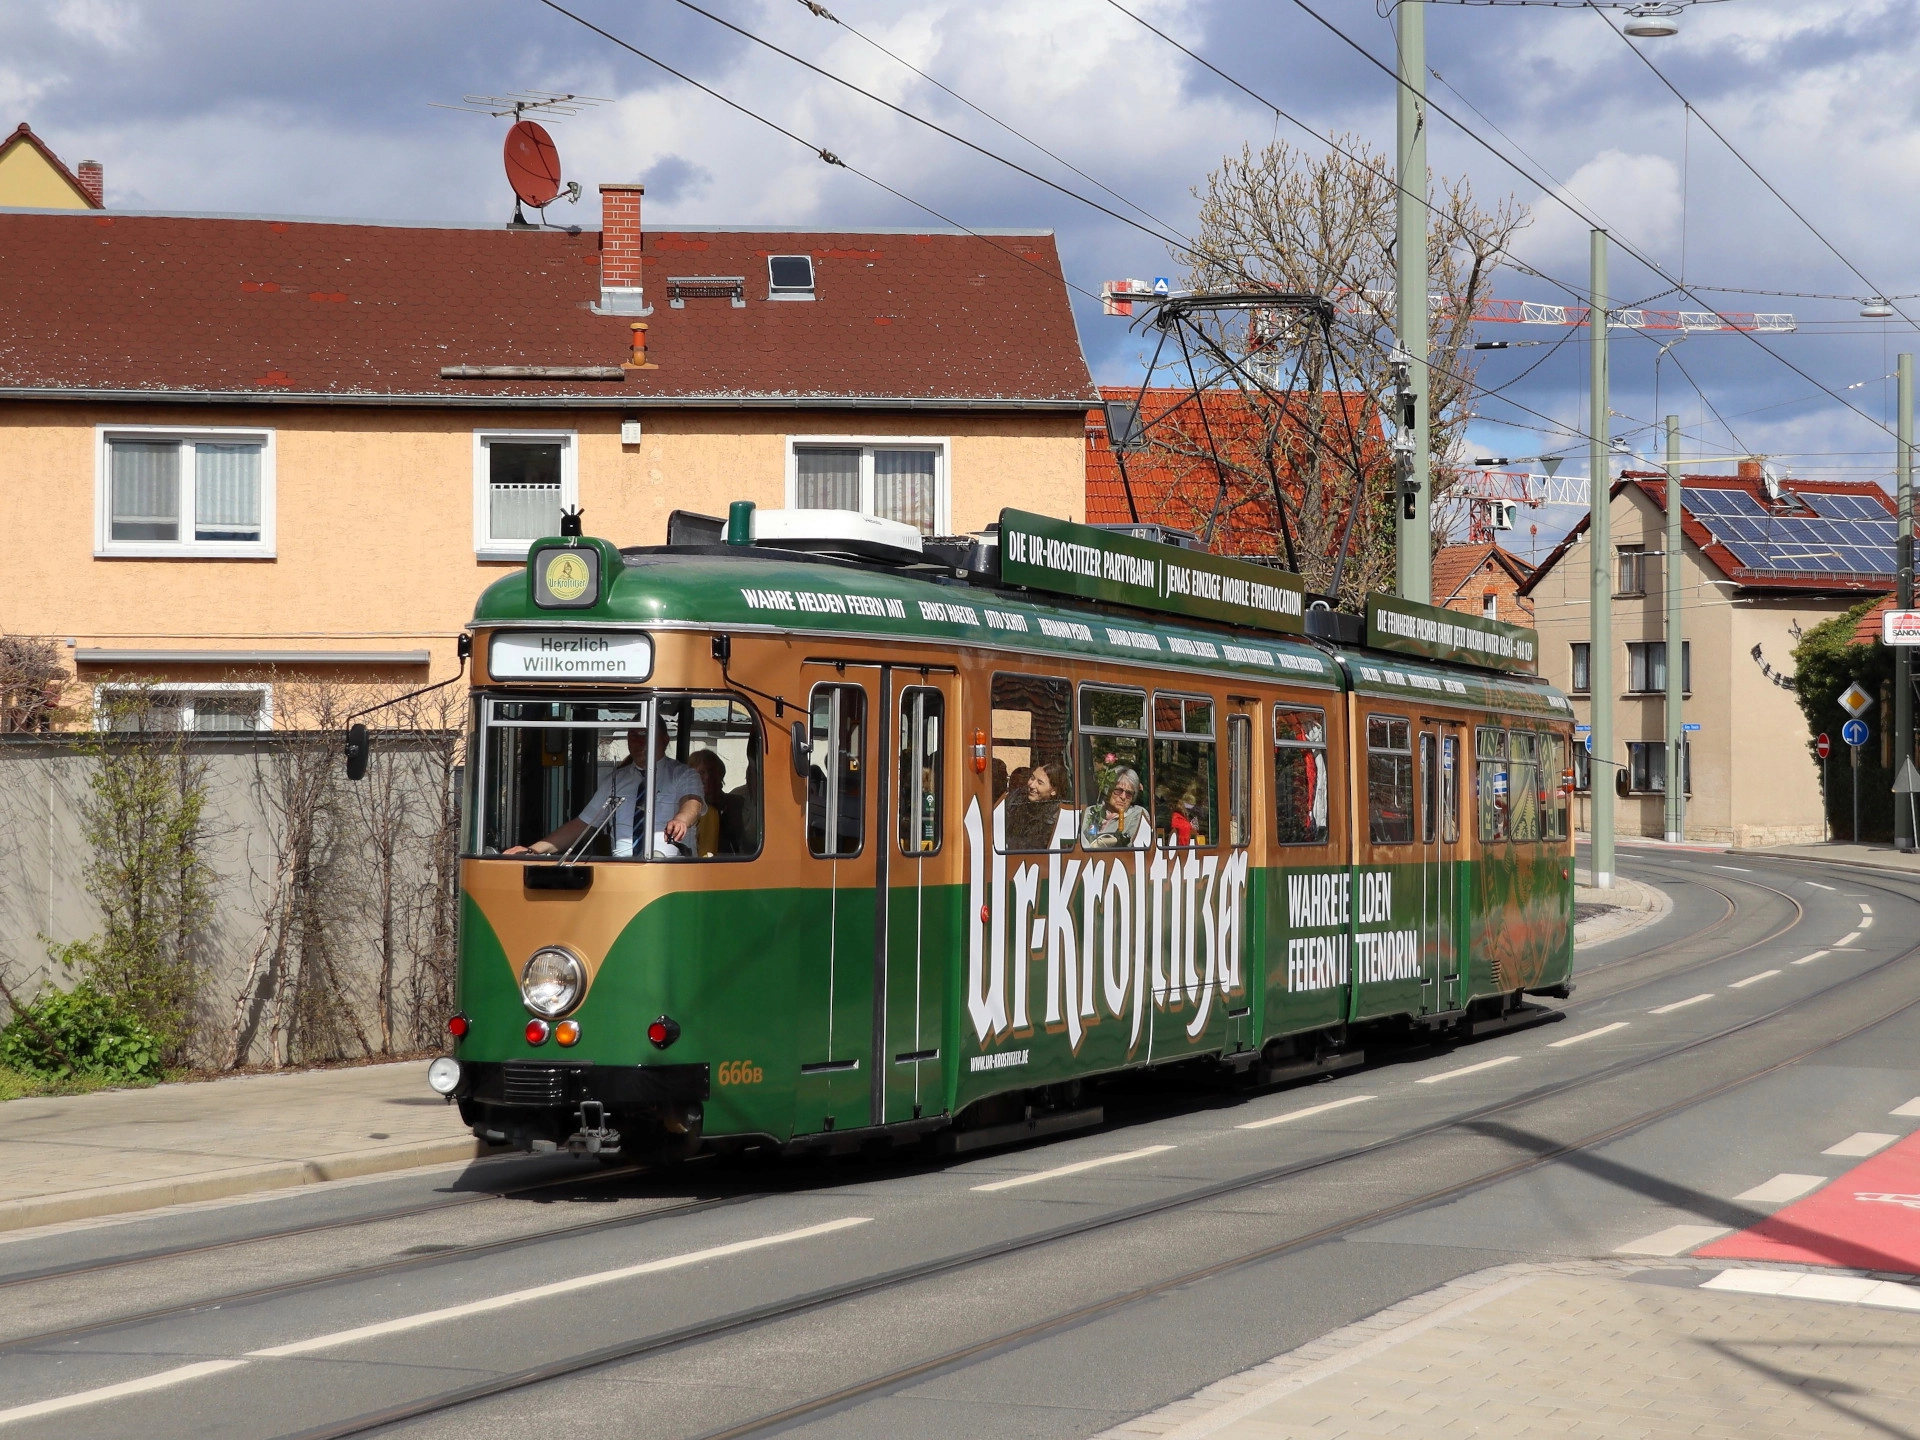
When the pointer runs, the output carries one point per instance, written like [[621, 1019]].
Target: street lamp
[[1653, 22]]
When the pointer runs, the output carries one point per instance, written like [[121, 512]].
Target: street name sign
[[1692, 726], [1855, 701], [1900, 627]]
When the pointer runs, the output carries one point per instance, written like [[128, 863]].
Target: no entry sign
[[1824, 746]]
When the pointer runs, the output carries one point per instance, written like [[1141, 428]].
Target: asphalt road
[[1048, 1291]]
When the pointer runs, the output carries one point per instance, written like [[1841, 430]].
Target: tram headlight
[[443, 1075], [553, 981]]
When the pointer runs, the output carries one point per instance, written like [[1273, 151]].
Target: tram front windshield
[[575, 774]]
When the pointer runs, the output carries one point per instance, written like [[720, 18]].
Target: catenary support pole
[[1676, 648], [1903, 837], [1413, 533], [1600, 553]]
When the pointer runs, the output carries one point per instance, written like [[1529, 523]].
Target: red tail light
[[536, 1032], [663, 1032], [458, 1026]]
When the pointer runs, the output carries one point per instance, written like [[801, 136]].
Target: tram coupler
[[595, 1136]]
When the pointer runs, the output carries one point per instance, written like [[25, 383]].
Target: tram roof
[[721, 588]]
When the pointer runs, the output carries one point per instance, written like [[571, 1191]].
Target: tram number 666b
[[739, 1072]]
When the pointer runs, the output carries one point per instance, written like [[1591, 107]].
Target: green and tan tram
[[803, 830]]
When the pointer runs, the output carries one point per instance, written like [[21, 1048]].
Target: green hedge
[[79, 1032]]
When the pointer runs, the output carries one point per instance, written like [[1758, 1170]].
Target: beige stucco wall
[[375, 514], [27, 179], [1753, 782]]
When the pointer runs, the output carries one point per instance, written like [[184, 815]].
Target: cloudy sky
[[297, 108]]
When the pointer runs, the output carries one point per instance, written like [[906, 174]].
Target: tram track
[[743, 1320], [453, 1255]]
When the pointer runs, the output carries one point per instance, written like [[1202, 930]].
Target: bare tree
[[1297, 221], [33, 684]]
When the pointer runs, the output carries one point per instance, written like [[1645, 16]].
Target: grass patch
[[19, 1085]]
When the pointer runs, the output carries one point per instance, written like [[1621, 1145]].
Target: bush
[[79, 1032]]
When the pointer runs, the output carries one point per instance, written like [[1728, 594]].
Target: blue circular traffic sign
[[1854, 732]]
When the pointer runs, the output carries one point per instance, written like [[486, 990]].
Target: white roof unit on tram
[[845, 530]]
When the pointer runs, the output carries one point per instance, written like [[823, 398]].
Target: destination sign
[[570, 655], [1063, 558], [1435, 633]]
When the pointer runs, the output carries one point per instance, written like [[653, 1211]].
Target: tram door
[[920, 925], [834, 992], [1441, 762]]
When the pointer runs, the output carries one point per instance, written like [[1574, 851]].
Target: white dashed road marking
[[1674, 1240], [1809, 959], [1783, 1187], [1861, 1142], [1589, 1034], [1074, 1169], [1302, 1114], [1465, 1070], [1818, 886], [1912, 1107], [1741, 868], [1752, 979], [1680, 1004], [1846, 939]]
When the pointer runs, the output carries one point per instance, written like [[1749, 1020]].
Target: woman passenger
[[1119, 821]]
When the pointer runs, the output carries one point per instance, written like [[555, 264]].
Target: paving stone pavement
[[1602, 1349], [118, 1150]]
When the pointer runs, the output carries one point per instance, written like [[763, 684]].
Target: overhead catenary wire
[[1577, 210]]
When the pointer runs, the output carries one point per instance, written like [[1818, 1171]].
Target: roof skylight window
[[790, 277]]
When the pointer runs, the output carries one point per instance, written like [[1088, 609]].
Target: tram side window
[[923, 716], [1523, 749], [1115, 750], [1553, 792], [836, 770], [1492, 783], [1389, 780], [1185, 772], [1033, 758], [1239, 780], [719, 740], [1300, 775]]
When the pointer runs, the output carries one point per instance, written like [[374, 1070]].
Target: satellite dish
[[533, 164]]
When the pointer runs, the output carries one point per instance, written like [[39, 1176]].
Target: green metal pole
[[1676, 648], [1414, 533], [1600, 553], [1903, 655]]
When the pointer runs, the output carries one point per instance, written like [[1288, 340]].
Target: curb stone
[[240, 1180]]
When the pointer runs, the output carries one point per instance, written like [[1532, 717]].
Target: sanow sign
[[1434, 633], [1063, 558], [1900, 627]]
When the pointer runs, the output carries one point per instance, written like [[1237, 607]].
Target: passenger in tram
[[1184, 822], [1118, 821], [1000, 780], [679, 800], [712, 771], [1033, 812]]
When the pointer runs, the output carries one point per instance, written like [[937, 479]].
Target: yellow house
[[32, 175], [244, 447]]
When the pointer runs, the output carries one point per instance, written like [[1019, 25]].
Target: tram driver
[[678, 803]]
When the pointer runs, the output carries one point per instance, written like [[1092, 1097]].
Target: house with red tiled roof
[[1482, 579], [243, 442], [1209, 462], [32, 175], [1761, 562]]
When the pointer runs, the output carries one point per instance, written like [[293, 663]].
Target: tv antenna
[[532, 160]]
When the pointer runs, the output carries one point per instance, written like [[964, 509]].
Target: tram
[[804, 830]]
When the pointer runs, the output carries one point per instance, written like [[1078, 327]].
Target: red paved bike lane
[[1867, 1219]]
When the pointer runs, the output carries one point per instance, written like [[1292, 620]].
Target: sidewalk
[[1601, 1349], [1836, 852], [1620, 909], [117, 1151]]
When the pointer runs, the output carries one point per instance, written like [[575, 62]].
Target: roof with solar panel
[[1831, 535]]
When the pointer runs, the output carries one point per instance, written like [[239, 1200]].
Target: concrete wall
[[43, 896], [1753, 780], [375, 515]]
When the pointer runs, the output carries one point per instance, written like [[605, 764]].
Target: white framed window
[[902, 478], [212, 707], [522, 480], [172, 491]]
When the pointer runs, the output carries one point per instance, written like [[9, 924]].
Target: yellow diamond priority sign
[[1855, 701]]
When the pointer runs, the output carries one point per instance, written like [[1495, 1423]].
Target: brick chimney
[[93, 180], [621, 289]]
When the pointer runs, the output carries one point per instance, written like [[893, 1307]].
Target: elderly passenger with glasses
[[1118, 822]]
